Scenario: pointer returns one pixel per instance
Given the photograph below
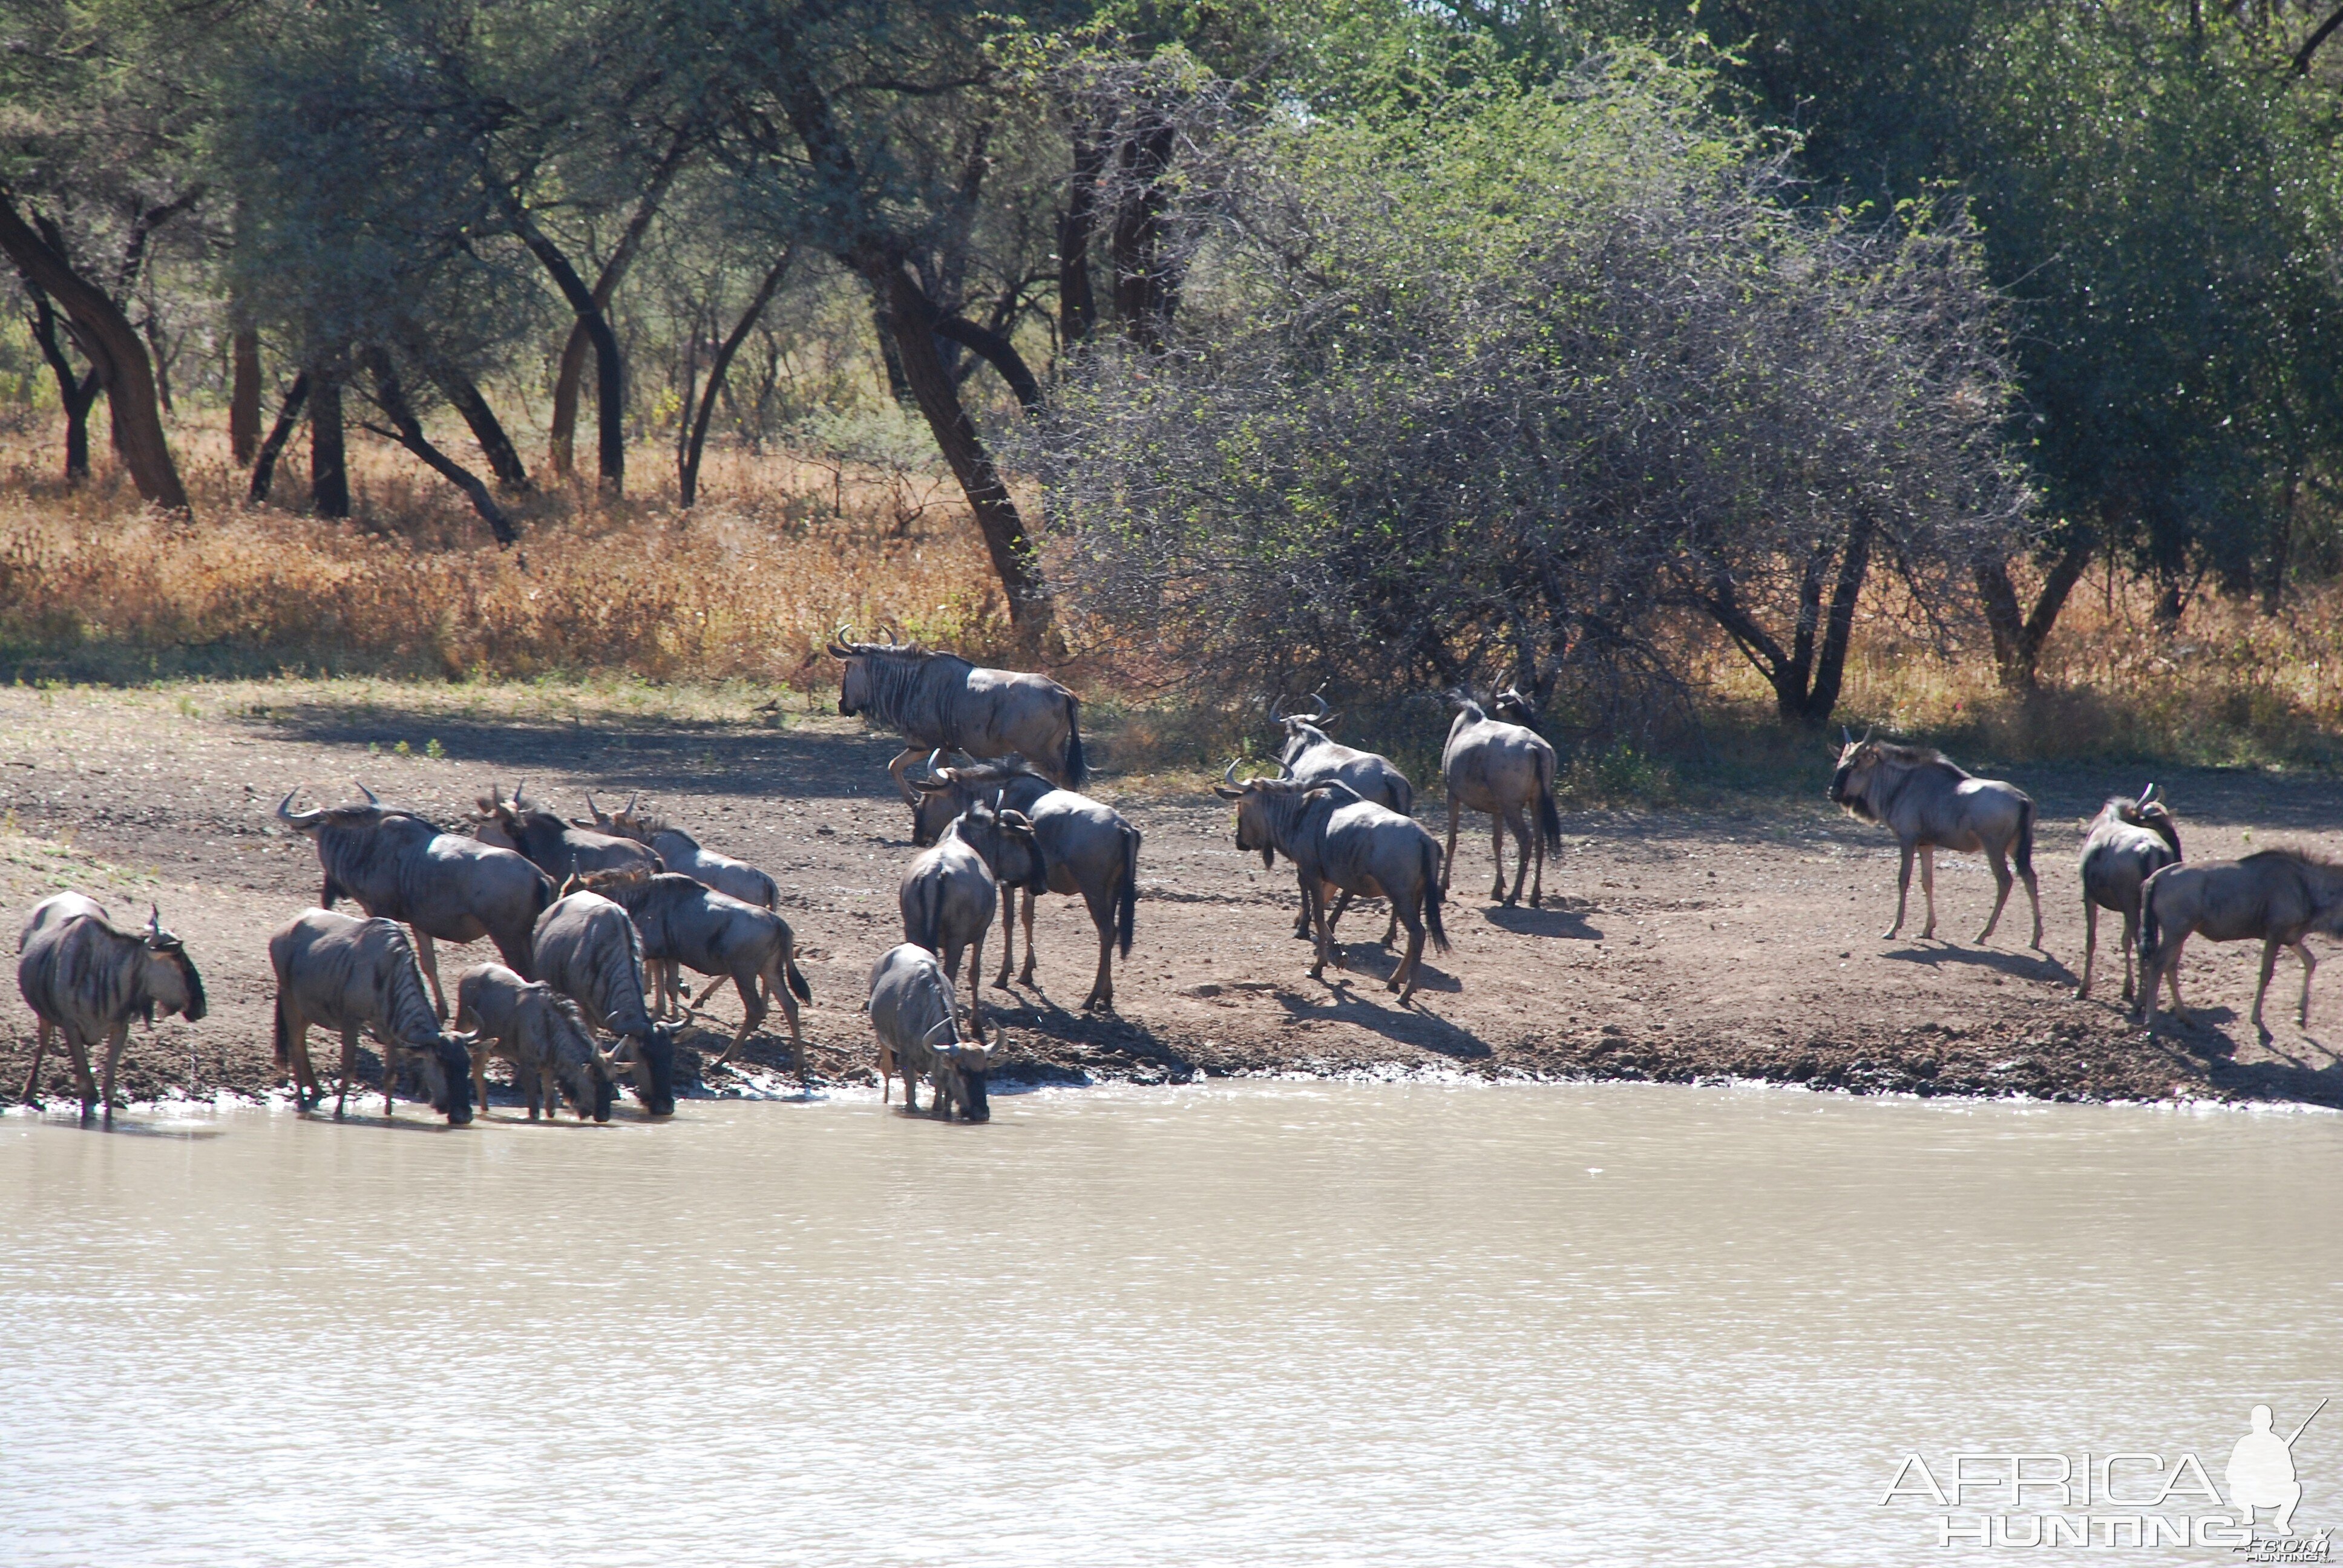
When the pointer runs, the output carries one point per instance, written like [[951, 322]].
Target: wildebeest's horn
[[1319, 698], [1231, 775], [1277, 709], [154, 920], [372, 799], [1866, 733], [296, 819], [631, 799], [2147, 794], [1846, 735]]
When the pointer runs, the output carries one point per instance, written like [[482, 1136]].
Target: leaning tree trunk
[[609, 429], [107, 340], [408, 431], [1830, 659], [688, 460], [329, 474], [1077, 303], [561, 439], [464, 394], [2017, 634], [910, 313]]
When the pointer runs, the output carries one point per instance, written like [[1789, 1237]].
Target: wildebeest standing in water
[[947, 894], [1502, 765], [588, 950], [684, 854], [1313, 757], [1930, 804], [543, 1035], [911, 1013], [86, 980], [684, 922], [342, 973], [556, 848], [2279, 895], [2129, 842], [401, 867], [940, 699], [1337, 840]]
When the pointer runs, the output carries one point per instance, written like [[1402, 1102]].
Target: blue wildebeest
[[1502, 765], [552, 845], [1338, 841], [401, 867], [947, 897], [939, 700], [1084, 847], [86, 980], [342, 973], [2279, 895], [588, 950], [542, 1034], [1313, 757], [683, 853], [1930, 804], [2129, 842], [683, 922], [911, 1013]]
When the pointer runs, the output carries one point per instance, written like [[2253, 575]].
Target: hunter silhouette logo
[[2136, 1499]]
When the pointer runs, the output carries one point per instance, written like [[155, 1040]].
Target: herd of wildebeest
[[594, 919]]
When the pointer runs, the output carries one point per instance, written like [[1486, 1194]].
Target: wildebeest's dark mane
[[2305, 854], [999, 770], [1915, 754], [366, 814]]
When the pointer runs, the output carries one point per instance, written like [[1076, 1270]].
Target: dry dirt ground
[[1682, 944]]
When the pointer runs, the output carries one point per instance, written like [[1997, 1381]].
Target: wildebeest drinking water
[[1505, 768], [940, 699], [2279, 895], [911, 1013], [1338, 841], [87, 980], [2129, 842], [588, 950], [543, 1035], [1929, 804], [396, 864], [683, 922], [342, 973]]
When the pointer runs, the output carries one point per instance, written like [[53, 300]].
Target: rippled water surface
[[1260, 1323]]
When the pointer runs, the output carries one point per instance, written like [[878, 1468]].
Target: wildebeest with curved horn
[[942, 701], [553, 846], [1502, 765], [912, 1014], [87, 980], [682, 921], [1338, 841], [1085, 847], [2127, 842], [543, 1034], [2279, 895], [1313, 757], [397, 865], [948, 893], [342, 973], [683, 853], [588, 950], [1929, 805]]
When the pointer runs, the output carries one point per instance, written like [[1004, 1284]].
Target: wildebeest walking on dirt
[[950, 891], [2279, 895], [684, 922], [1314, 757], [2127, 842], [1929, 805], [1505, 768], [401, 867], [85, 979], [342, 973], [942, 701]]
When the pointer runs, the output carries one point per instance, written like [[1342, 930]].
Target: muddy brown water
[[1242, 1322]]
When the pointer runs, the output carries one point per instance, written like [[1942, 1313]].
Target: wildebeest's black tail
[[1432, 894], [1549, 818], [2149, 931], [282, 1046], [1077, 766], [923, 921], [798, 979], [2024, 854], [1126, 918]]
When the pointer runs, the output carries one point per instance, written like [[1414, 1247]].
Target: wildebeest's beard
[[972, 1103], [1845, 791], [605, 1093], [655, 1071], [850, 697], [194, 1009], [447, 1068]]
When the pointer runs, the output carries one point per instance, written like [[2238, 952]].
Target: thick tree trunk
[[891, 359], [408, 431], [1143, 289], [996, 351], [244, 396], [688, 461], [1077, 303], [107, 340], [2018, 634], [910, 313], [329, 475], [561, 440], [609, 378], [1830, 662], [465, 396], [263, 462]]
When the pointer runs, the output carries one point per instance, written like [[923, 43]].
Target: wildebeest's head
[[585, 1072], [854, 686], [349, 814], [958, 1074], [445, 1065], [172, 983], [1301, 729], [650, 1062], [1850, 785], [1514, 706], [1005, 839], [2147, 812], [1253, 798], [940, 794]]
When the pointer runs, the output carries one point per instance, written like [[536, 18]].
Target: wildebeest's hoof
[[1537, 901]]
